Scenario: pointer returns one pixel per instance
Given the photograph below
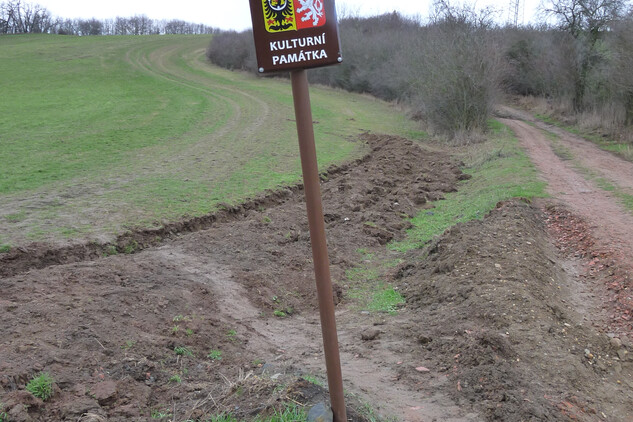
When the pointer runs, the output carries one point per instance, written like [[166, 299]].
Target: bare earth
[[519, 317], [609, 223]]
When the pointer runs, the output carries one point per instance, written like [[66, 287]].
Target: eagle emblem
[[279, 15]]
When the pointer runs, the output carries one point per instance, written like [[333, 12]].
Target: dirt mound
[[41, 255], [365, 206], [162, 330], [493, 311], [497, 325]]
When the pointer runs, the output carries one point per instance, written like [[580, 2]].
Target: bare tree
[[17, 17], [457, 65], [90, 27], [121, 26], [586, 21], [108, 26], [622, 45], [139, 25], [177, 27], [584, 17], [11, 16], [4, 19]]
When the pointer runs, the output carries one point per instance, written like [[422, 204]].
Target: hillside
[[100, 134]]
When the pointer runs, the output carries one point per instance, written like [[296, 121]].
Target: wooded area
[[18, 17]]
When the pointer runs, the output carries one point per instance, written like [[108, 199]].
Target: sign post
[[312, 189], [293, 35]]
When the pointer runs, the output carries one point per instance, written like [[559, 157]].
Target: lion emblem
[[313, 9]]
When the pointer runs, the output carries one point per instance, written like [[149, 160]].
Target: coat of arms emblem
[[284, 15]]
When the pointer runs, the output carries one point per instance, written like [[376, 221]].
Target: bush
[[233, 50], [458, 67]]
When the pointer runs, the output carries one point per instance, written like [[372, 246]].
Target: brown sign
[[295, 34]]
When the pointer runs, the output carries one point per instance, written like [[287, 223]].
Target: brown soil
[[503, 319]]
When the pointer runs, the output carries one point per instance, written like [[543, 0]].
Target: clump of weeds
[[41, 386]]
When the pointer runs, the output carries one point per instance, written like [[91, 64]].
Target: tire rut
[[157, 64]]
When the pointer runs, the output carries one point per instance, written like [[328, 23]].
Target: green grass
[[385, 299], [215, 354], [500, 170], [78, 107], [183, 351], [41, 386], [368, 289], [160, 413], [370, 415], [176, 379], [367, 412], [224, 417], [314, 380], [375, 296], [231, 335], [181, 318], [128, 344], [101, 134]]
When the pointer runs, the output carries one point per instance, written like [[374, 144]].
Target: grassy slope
[[103, 133]]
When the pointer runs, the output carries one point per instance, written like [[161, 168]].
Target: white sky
[[235, 14]]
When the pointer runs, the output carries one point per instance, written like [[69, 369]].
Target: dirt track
[[499, 322], [609, 223]]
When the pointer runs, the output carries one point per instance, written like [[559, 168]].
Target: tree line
[[452, 70], [18, 17]]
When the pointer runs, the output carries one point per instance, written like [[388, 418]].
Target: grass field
[[101, 134]]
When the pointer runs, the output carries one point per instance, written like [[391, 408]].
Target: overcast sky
[[235, 14]]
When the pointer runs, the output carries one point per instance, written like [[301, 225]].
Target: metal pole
[[305, 130]]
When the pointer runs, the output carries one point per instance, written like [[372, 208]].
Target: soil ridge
[[41, 255]]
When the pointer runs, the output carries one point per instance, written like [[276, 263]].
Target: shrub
[[233, 50]]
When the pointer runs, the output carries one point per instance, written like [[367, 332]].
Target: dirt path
[[611, 223], [602, 163], [573, 182]]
